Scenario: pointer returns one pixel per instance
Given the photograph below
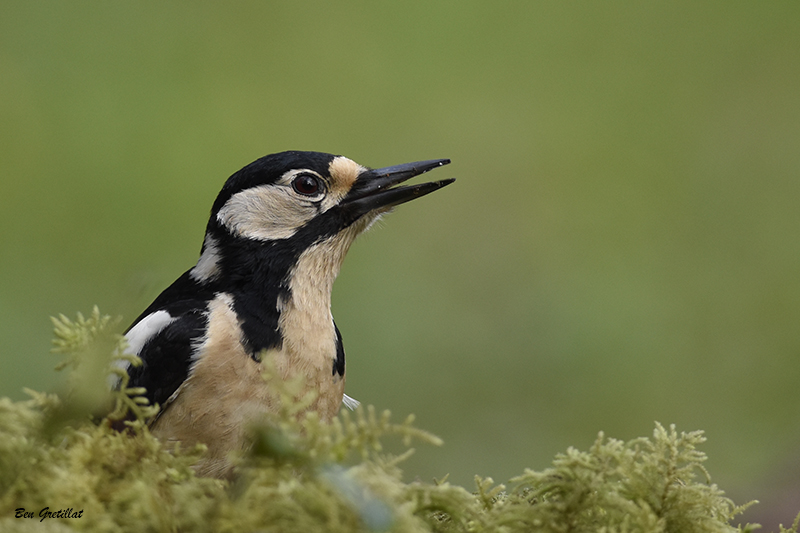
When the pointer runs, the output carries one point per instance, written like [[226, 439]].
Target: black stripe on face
[[257, 275]]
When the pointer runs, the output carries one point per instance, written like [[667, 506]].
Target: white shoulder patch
[[137, 337], [146, 329], [350, 403]]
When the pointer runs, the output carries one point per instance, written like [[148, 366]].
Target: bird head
[[279, 195], [292, 201], [278, 233]]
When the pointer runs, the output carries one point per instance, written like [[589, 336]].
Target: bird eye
[[306, 184]]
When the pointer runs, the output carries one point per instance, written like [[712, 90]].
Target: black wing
[[338, 363], [167, 353], [167, 356]]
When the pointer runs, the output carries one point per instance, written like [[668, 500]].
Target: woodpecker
[[275, 241]]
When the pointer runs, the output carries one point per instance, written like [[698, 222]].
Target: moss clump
[[304, 475]]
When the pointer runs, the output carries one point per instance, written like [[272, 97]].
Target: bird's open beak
[[373, 188]]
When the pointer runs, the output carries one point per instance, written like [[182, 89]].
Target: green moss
[[305, 475]]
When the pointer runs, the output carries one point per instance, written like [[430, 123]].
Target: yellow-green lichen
[[304, 475]]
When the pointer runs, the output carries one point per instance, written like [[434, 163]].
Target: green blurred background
[[621, 246]]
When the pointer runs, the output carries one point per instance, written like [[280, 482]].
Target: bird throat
[[305, 323]]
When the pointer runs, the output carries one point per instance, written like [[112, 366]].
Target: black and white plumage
[[278, 233]]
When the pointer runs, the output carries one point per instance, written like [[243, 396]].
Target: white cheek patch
[[266, 213], [139, 335]]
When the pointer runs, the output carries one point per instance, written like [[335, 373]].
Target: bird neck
[[281, 291], [305, 322]]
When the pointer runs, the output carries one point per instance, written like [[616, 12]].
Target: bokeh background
[[622, 244]]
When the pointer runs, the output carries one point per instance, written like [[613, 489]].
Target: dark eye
[[306, 184]]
